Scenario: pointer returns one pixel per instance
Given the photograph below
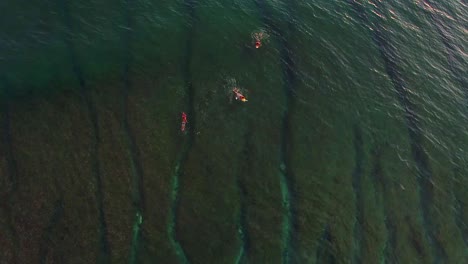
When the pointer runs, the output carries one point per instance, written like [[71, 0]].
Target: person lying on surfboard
[[258, 44], [184, 121]]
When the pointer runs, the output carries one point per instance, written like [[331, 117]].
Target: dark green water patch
[[97, 37], [32, 49]]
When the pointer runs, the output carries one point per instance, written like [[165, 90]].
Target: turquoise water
[[352, 146]]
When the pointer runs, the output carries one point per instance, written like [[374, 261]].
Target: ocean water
[[351, 148]]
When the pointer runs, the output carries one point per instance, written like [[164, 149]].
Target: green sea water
[[351, 148]]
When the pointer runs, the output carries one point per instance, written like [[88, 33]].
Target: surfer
[[258, 44], [258, 37], [238, 94], [184, 121]]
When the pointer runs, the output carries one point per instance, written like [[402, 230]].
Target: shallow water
[[352, 147]]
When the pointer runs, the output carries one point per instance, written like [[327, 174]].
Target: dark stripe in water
[[138, 195], [459, 213], [459, 73], [325, 254], [57, 214], [242, 187], [414, 238], [380, 185], [389, 56], [104, 252], [287, 178], [188, 143], [452, 55], [357, 187], [12, 169]]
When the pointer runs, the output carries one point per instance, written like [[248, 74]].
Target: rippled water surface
[[351, 148]]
